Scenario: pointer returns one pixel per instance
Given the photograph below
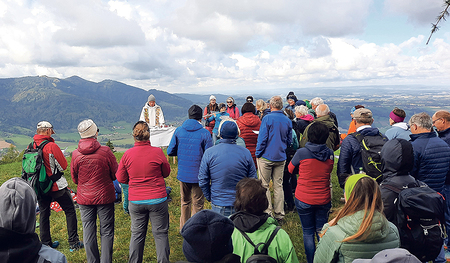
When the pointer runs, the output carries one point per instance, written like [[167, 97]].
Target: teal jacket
[[383, 235], [280, 248]]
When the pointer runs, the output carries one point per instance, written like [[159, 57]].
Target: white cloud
[[204, 45], [419, 12]]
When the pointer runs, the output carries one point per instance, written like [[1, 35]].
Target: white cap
[[212, 97], [87, 129], [45, 125]]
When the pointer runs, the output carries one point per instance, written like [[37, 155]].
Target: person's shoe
[[447, 255], [280, 221], [55, 244], [77, 246]]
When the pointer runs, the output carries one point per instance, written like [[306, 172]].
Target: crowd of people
[[234, 158]]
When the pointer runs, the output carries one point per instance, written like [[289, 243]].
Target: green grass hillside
[[122, 222]]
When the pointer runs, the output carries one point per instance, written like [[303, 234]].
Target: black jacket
[[397, 160]]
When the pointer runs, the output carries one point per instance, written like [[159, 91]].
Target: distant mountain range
[[65, 102]]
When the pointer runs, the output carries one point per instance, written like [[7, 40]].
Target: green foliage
[[110, 145], [11, 155]]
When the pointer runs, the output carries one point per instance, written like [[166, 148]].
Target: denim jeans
[[223, 210], [312, 217]]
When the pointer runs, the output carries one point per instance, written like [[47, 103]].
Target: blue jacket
[[189, 142], [445, 135], [431, 159], [350, 155], [222, 167], [218, 119], [399, 130], [275, 134]]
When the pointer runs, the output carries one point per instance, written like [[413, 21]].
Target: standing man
[[151, 113], [275, 134], [316, 102], [431, 154], [93, 169], [55, 163], [333, 140], [222, 167], [350, 159], [189, 142], [431, 158]]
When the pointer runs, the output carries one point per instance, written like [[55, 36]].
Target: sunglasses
[[229, 102]]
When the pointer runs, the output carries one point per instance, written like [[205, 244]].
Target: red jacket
[[51, 148], [144, 168], [93, 169], [315, 163], [248, 123]]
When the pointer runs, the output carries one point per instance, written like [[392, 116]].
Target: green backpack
[[33, 169]]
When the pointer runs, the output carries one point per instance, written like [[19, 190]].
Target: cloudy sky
[[237, 46]]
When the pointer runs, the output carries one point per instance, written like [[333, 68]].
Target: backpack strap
[[266, 245], [272, 236]]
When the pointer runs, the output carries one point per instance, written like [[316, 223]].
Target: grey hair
[[422, 120], [302, 110], [322, 110], [276, 102], [316, 101]]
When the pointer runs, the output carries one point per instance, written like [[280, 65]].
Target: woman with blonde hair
[[360, 230], [144, 168]]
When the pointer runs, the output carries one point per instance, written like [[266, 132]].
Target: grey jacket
[[18, 240]]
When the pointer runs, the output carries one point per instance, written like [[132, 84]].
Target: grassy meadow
[[122, 221]]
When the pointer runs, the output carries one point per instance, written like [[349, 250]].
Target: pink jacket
[[144, 168]]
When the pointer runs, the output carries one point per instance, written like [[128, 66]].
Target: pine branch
[[442, 16]]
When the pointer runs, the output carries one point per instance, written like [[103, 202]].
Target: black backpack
[[370, 153], [33, 169], [261, 256], [420, 211]]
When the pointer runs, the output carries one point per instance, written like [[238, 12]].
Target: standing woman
[[207, 112], [248, 123], [93, 169], [232, 109], [144, 168], [360, 229], [312, 194]]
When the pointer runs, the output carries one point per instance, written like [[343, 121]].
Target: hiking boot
[[76, 246], [55, 244]]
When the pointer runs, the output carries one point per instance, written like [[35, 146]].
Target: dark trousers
[[64, 199]]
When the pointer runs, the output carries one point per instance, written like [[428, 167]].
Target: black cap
[[195, 112]]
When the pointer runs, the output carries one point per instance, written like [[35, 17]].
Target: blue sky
[[200, 46]]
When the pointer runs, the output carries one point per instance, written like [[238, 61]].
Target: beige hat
[[45, 125], [87, 129], [362, 113]]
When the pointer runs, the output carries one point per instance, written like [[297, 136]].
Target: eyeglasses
[[436, 120], [229, 102]]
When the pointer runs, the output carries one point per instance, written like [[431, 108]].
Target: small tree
[[12, 155], [110, 145], [442, 16]]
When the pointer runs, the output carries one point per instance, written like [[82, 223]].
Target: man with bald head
[[323, 116], [315, 103], [441, 121]]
